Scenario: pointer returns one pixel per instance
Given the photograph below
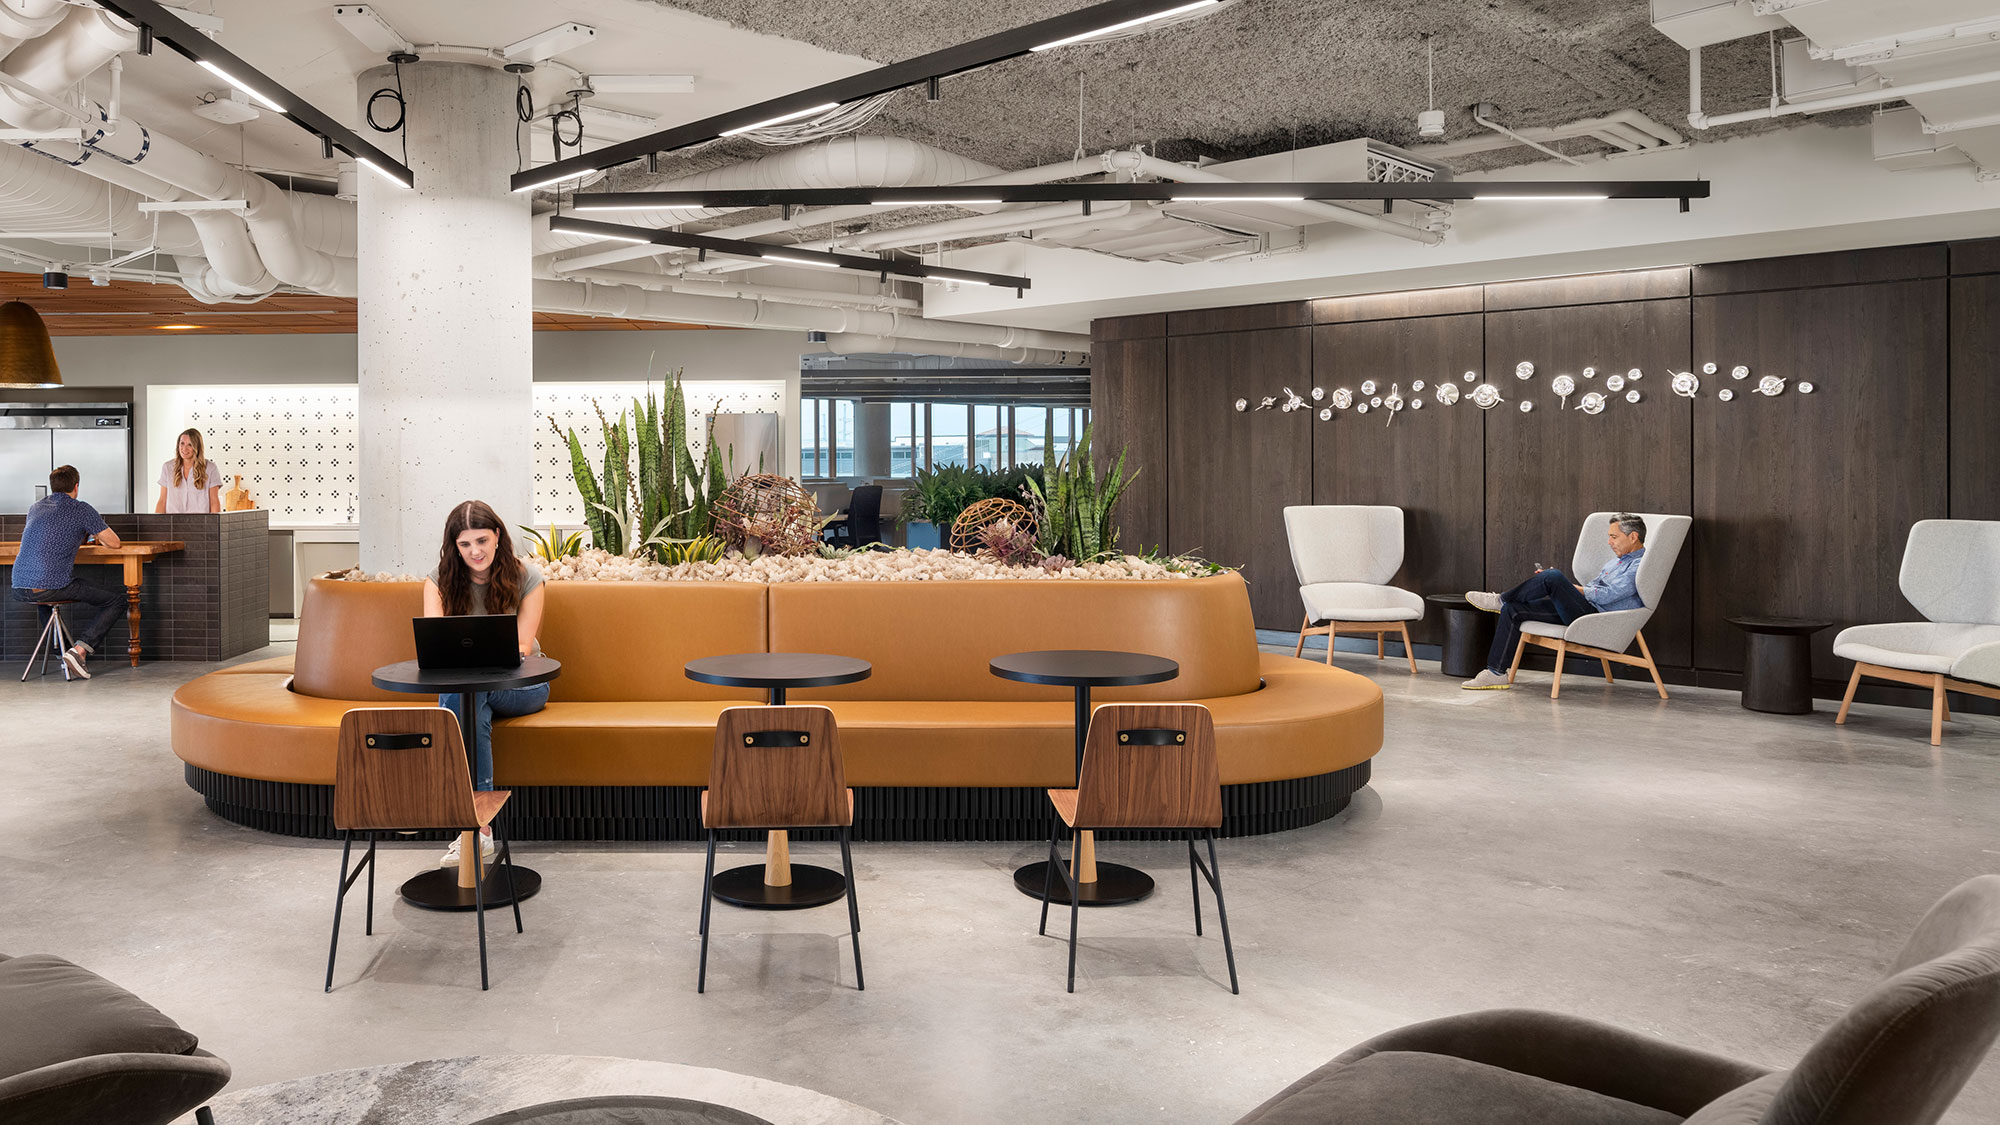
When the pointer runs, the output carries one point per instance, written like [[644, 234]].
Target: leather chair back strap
[[1150, 766], [777, 767], [400, 768]]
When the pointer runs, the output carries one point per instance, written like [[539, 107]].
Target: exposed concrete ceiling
[[1263, 76]]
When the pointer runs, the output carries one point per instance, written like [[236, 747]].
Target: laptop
[[485, 641]]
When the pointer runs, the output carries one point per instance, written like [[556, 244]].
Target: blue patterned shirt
[[57, 525], [1617, 585]]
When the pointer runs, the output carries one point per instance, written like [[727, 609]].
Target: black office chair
[[864, 519]]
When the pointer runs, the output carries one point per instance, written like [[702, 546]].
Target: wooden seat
[[777, 768], [1145, 766], [399, 769]]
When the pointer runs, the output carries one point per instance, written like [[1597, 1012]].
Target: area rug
[[482, 1088]]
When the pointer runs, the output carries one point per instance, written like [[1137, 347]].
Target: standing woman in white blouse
[[190, 482]]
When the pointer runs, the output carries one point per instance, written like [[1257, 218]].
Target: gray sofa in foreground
[[76, 1049], [1899, 1056]]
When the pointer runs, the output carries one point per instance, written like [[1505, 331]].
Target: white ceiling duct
[[22, 20], [848, 343], [631, 302]]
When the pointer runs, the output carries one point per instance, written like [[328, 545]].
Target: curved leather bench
[[936, 746]]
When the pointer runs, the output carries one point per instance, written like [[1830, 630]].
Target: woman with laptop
[[478, 574]]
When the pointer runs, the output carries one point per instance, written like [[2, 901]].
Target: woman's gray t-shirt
[[531, 577]]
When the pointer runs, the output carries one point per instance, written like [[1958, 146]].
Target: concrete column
[[871, 439], [445, 321]]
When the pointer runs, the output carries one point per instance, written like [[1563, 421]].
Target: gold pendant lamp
[[27, 357]]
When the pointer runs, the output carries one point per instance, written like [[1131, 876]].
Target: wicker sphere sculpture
[[776, 510], [965, 531]]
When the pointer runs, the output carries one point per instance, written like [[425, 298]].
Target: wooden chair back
[[401, 767], [1150, 765], [777, 767]]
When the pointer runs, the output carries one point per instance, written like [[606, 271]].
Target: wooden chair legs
[[1605, 658], [1332, 630], [1937, 709], [1847, 700]]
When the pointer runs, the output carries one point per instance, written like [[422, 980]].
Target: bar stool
[[399, 769], [53, 641], [1145, 766], [777, 768]]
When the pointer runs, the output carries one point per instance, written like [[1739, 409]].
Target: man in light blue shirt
[[1550, 596], [58, 524]]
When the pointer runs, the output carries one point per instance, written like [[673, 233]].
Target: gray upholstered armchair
[[1606, 636], [76, 1049], [1345, 555], [1899, 1056], [1951, 573]]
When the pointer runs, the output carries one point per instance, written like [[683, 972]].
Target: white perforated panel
[[297, 447]]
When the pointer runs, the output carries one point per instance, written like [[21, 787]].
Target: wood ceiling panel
[[134, 308]]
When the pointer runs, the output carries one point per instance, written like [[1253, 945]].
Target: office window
[[1031, 433], [905, 438], [843, 438], [949, 434], [989, 441]]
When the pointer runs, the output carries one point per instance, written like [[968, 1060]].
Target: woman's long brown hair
[[503, 577], [200, 458]]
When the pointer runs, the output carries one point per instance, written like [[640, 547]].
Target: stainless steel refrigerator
[[95, 437]]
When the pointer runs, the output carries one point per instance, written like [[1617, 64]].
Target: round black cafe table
[[1468, 634], [1777, 671], [439, 888], [778, 883], [1098, 884]]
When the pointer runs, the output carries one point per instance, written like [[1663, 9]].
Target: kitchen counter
[[208, 601]]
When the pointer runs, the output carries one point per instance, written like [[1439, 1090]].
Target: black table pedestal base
[[1116, 885], [1777, 679], [439, 889], [810, 886]]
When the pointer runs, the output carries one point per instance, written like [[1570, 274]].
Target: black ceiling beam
[[938, 64], [162, 25], [742, 248], [1554, 190]]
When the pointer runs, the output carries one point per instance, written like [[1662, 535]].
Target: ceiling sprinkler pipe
[[1700, 120], [1482, 113]]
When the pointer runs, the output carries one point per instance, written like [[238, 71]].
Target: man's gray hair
[[1630, 525]]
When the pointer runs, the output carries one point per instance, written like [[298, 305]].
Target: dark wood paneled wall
[[1547, 469], [1230, 474], [1801, 503], [1428, 462]]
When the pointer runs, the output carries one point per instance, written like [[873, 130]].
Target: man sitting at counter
[[58, 524]]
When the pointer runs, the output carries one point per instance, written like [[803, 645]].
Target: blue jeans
[[107, 601], [1547, 596], [506, 704]]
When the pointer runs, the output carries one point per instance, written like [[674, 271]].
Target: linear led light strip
[[159, 23], [1117, 27], [1556, 191], [1073, 27], [783, 255]]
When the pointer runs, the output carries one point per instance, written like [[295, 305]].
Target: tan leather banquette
[[931, 714]]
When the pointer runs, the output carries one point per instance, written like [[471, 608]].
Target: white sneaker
[[452, 854], [1486, 600], [73, 660], [1487, 680]]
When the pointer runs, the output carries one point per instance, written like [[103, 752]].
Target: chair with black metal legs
[[400, 769], [1147, 766], [55, 639], [777, 768]]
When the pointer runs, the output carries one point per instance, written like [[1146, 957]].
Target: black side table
[[1777, 669], [1468, 634], [438, 888], [778, 883], [1098, 884]]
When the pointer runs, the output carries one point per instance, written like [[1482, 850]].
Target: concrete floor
[[1688, 869]]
